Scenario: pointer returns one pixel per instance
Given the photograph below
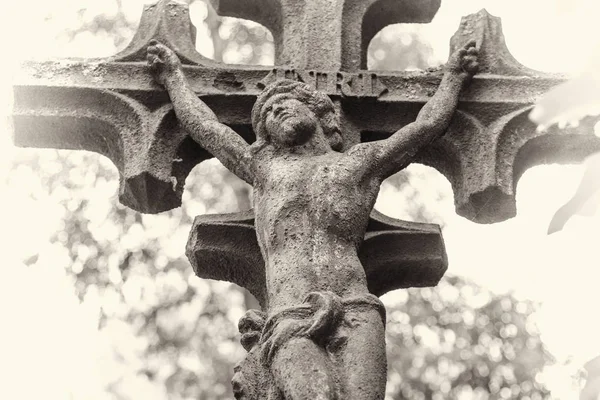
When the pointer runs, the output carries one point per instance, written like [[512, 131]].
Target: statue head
[[289, 112]]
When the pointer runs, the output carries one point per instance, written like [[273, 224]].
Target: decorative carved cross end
[[113, 107], [491, 141]]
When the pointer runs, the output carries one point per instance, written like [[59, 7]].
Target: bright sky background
[[560, 271]]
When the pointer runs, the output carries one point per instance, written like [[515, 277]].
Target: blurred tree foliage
[[178, 333], [459, 341]]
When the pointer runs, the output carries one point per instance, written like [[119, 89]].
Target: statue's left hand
[[464, 61], [162, 60]]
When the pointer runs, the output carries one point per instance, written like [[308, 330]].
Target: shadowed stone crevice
[[423, 261], [522, 146], [264, 12]]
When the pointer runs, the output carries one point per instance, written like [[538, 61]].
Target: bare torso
[[312, 206], [311, 217]]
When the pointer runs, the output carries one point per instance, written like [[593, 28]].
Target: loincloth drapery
[[317, 318]]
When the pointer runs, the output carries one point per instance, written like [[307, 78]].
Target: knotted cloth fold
[[317, 318]]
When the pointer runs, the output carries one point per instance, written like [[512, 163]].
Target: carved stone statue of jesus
[[322, 333]]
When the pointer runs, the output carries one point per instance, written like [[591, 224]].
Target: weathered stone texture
[[488, 146], [322, 331], [395, 254], [113, 106]]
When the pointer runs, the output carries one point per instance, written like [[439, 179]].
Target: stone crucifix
[[321, 145], [322, 334]]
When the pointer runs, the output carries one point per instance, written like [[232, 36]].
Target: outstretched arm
[[393, 154], [195, 116]]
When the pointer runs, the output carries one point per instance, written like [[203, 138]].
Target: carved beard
[[336, 142], [297, 131]]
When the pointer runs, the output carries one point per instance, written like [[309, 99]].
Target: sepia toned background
[[98, 301]]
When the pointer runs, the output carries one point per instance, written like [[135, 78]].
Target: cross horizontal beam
[[236, 82], [112, 106]]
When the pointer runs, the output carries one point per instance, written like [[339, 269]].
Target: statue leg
[[363, 356], [303, 371]]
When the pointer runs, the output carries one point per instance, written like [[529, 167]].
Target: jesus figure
[[324, 335]]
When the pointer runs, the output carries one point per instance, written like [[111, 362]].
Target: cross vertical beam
[[330, 35]]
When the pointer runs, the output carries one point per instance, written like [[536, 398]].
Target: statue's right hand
[[162, 60]]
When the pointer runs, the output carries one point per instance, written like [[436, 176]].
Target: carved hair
[[319, 103]]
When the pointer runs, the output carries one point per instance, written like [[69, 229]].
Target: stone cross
[[113, 106]]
